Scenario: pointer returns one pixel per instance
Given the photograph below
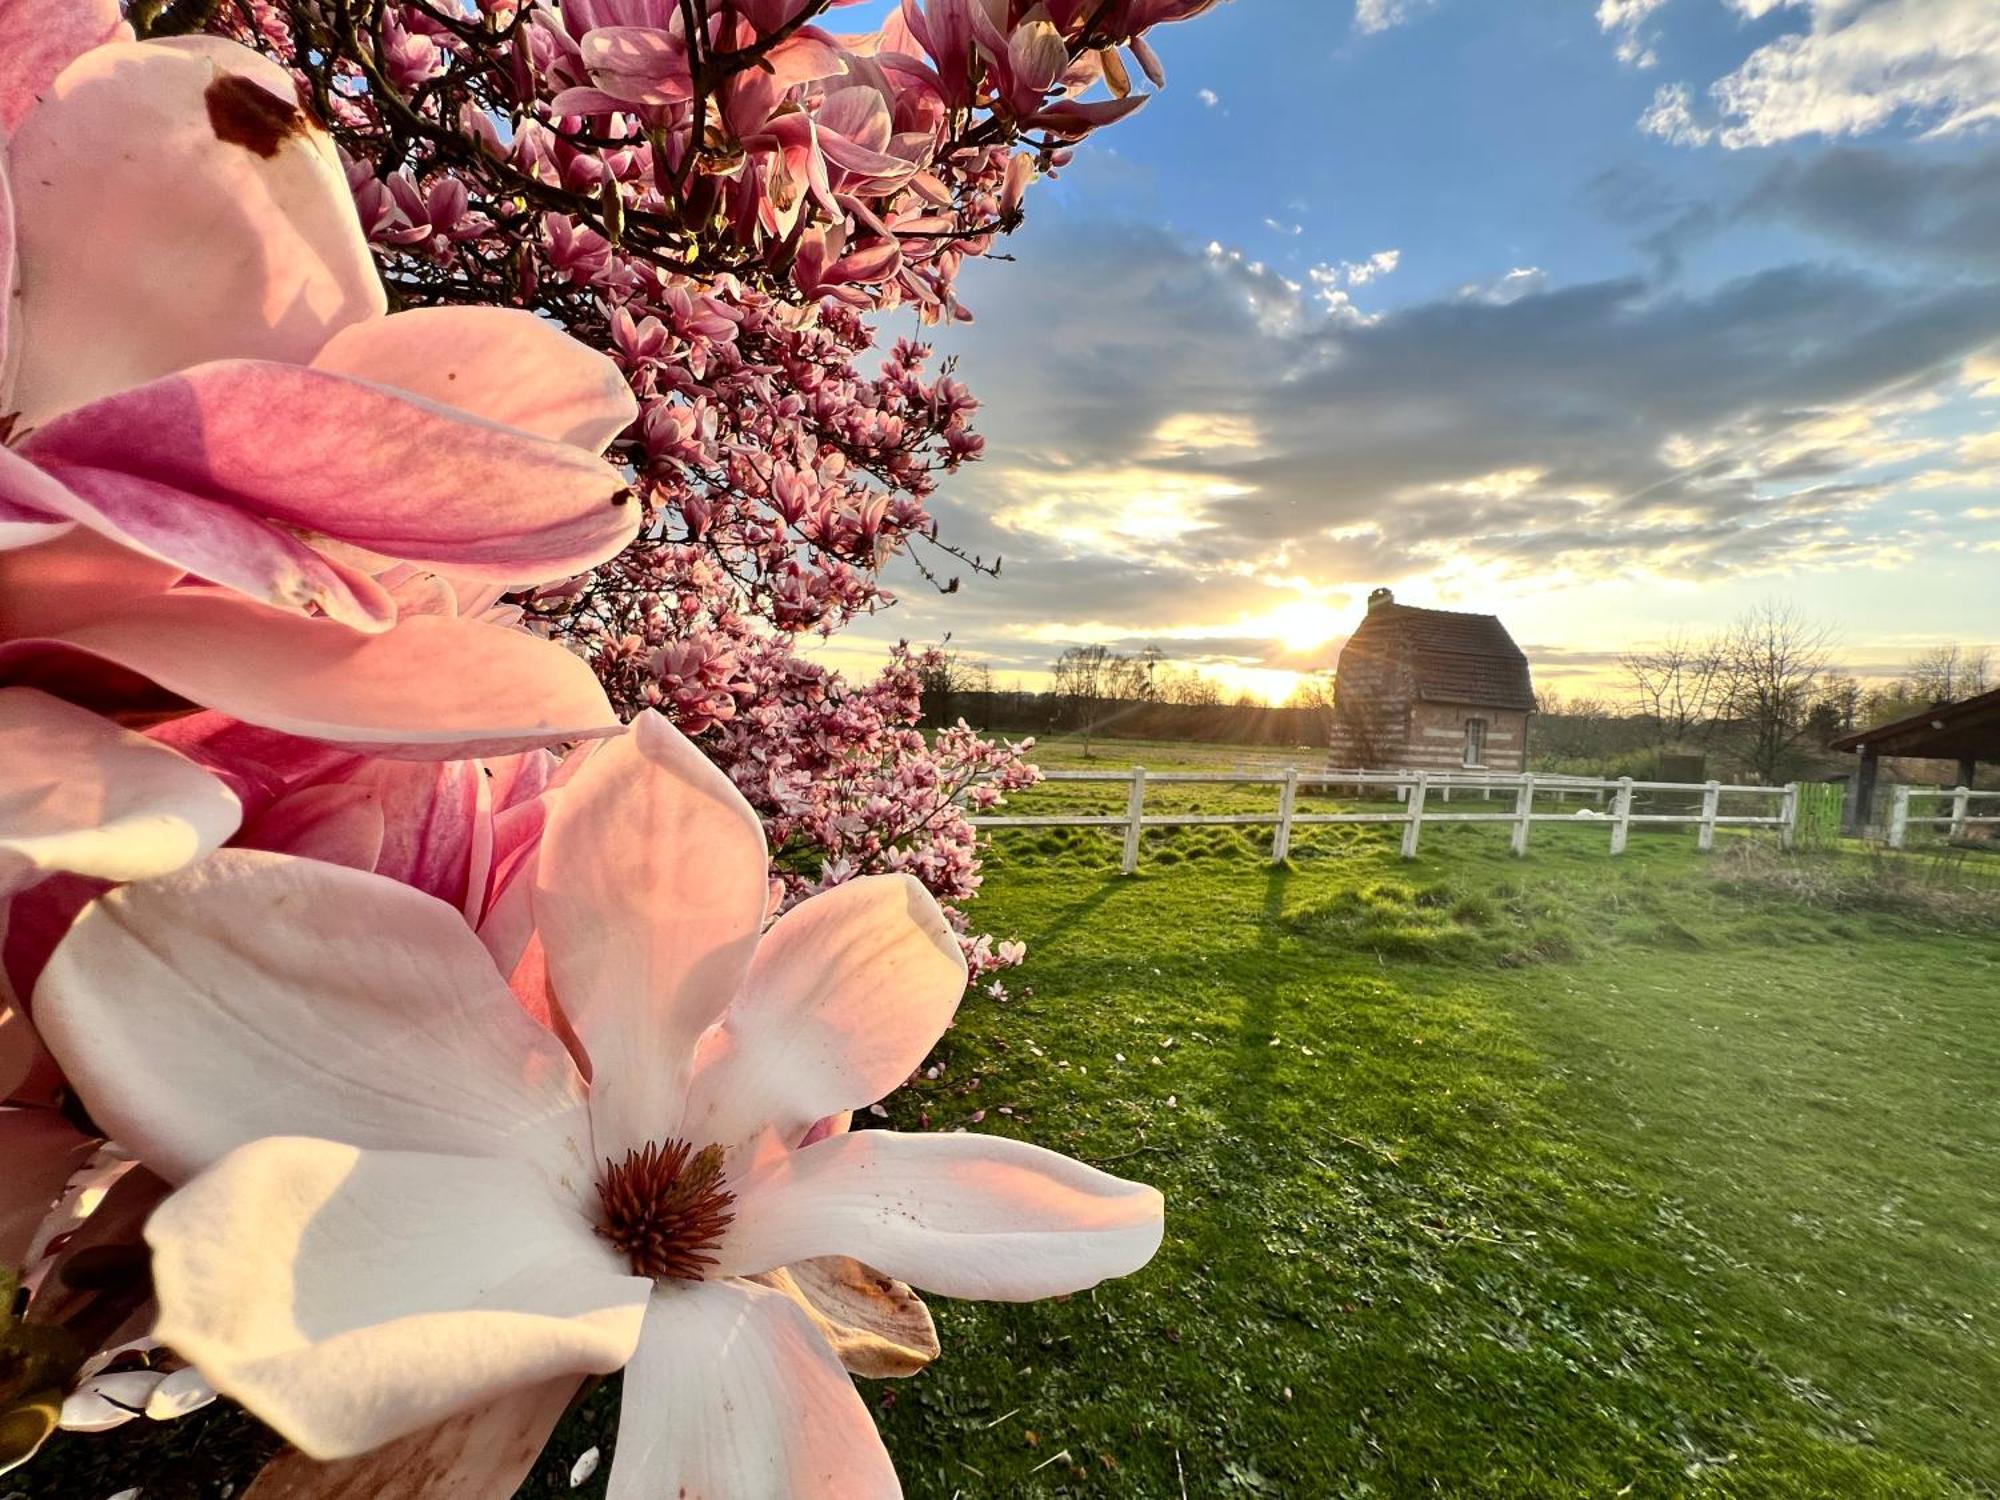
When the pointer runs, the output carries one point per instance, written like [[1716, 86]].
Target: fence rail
[[1416, 789], [1955, 822]]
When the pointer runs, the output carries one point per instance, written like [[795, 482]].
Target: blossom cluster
[[721, 194], [392, 1037]]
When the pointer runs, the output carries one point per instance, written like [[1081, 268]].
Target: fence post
[[1135, 808], [1413, 825], [1788, 814], [1899, 818], [1711, 805], [1961, 807], [1524, 812], [1288, 796], [1621, 814]]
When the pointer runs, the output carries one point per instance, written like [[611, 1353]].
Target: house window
[[1475, 742]]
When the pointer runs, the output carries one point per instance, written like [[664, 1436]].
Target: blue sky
[[1613, 318]]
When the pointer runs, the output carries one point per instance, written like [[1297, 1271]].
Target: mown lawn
[[1665, 1175], [1569, 1176]]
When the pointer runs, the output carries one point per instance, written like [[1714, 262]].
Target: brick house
[[1430, 690]]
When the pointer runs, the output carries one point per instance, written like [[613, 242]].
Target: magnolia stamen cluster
[[665, 1208]]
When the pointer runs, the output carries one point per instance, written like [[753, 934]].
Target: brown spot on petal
[[246, 114]]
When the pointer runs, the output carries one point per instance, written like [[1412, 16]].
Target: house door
[[1475, 742]]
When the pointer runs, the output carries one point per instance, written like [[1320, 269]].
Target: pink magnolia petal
[[583, 101], [848, 992], [960, 1215], [32, 505], [9, 279], [338, 823], [262, 995], [430, 688], [1072, 120], [734, 1393], [498, 363], [237, 232], [396, 474], [649, 892], [431, 816], [27, 1073], [37, 41], [482, 1454], [30, 927], [219, 542], [638, 64], [807, 54], [81, 795], [40, 1149], [261, 765], [350, 1297]]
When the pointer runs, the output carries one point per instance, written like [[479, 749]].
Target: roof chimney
[[1379, 597]]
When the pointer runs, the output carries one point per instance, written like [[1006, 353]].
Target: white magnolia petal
[[349, 1297], [185, 1390], [107, 1401], [734, 1394], [259, 995], [500, 363], [649, 891], [960, 1215], [80, 794], [848, 992], [238, 236]]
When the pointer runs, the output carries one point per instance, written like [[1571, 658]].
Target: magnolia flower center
[[665, 1208]]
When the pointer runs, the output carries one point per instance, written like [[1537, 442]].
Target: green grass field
[[1658, 1176]]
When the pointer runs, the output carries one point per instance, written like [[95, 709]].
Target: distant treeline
[[1047, 716]]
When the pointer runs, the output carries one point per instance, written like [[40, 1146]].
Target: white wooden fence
[[1422, 794], [1954, 822]]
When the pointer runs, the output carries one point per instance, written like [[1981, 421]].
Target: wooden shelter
[[1967, 732], [1430, 690]]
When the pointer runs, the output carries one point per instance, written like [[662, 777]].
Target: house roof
[[1455, 658], [1966, 730]]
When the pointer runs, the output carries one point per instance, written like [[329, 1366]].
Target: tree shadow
[[1079, 911], [1258, 1059]]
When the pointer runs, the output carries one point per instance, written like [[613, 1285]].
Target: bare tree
[[1188, 688], [1579, 728], [1837, 707], [1677, 685], [1945, 673], [1087, 678], [1313, 690], [1772, 662]]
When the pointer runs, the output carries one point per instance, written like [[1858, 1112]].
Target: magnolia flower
[[199, 385], [403, 1199]]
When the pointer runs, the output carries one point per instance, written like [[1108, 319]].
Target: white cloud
[[1281, 227], [1522, 281], [1331, 279], [1626, 19], [1857, 66], [1208, 97], [1671, 118], [1379, 15], [1381, 263]]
